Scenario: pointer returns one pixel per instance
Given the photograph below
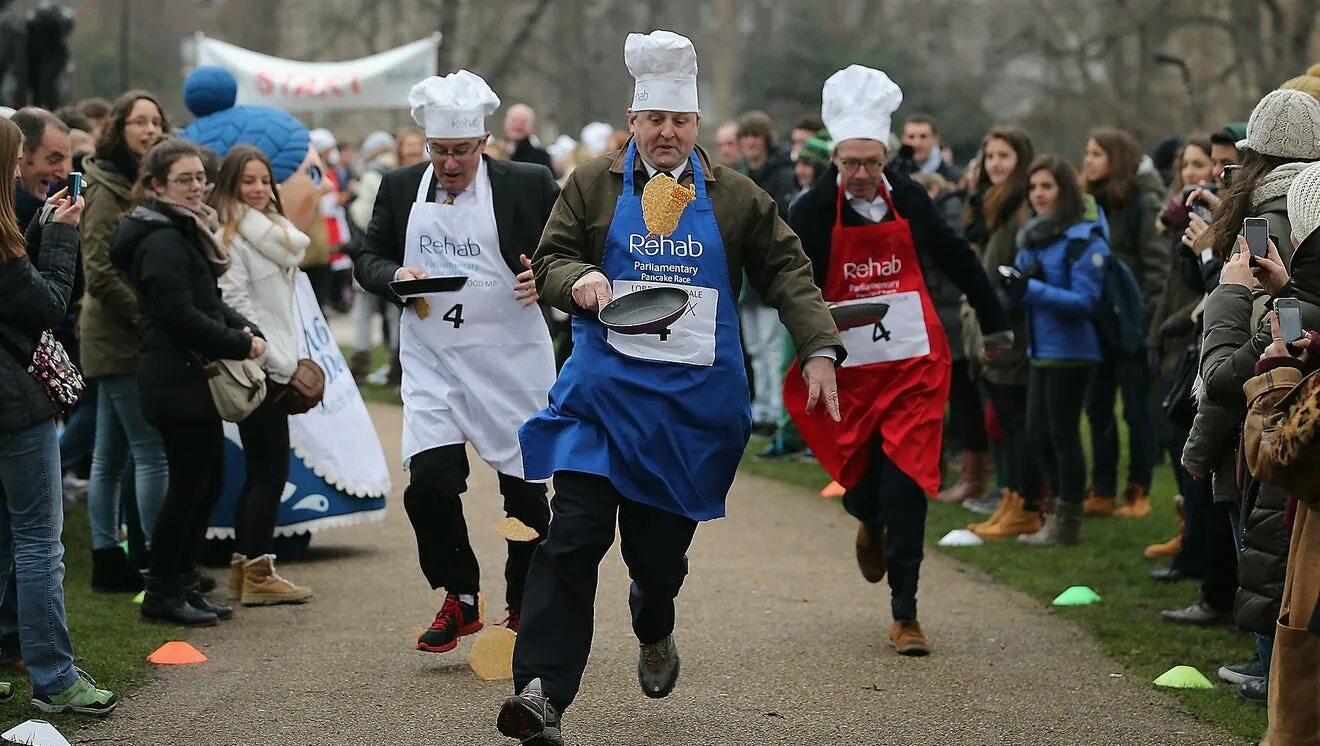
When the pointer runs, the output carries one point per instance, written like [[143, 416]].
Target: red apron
[[895, 379]]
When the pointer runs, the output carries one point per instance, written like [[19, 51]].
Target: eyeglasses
[[143, 122], [872, 166], [459, 151], [188, 179]]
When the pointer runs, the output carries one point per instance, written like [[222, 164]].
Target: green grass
[[109, 641], [1126, 622]]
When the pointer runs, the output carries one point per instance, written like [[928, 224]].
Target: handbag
[[306, 388], [1179, 403], [237, 387], [50, 366]]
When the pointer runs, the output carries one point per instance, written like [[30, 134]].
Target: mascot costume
[[338, 474]]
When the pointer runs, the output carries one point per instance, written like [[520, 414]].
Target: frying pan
[[405, 288], [855, 315], [649, 311]]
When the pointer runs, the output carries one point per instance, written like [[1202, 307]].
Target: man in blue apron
[[647, 431], [477, 361]]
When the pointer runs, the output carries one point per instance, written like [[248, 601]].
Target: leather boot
[[236, 563], [192, 593], [1136, 503], [1006, 504], [1168, 549], [971, 483], [113, 573], [1015, 521], [163, 601], [1099, 504], [262, 586], [1064, 527]]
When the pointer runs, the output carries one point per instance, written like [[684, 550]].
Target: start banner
[[381, 81]]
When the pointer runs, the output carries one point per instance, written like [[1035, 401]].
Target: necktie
[[449, 199]]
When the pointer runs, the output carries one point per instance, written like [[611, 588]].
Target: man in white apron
[[477, 362], [645, 431]]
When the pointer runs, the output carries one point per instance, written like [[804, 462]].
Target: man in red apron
[[868, 232]]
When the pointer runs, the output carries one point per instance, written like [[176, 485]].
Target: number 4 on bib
[[454, 315]]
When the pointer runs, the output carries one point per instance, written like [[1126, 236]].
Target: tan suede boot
[[1006, 502], [971, 483], [1136, 503], [1015, 521], [236, 563], [262, 586], [1099, 505]]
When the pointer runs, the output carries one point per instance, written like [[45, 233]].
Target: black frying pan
[[649, 311], [405, 288], [858, 314]]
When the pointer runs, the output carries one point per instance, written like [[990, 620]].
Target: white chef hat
[[857, 103], [322, 139], [664, 64], [596, 137], [452, 107], [561, 147]]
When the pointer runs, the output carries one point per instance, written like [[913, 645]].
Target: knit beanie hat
[[1285, 124], [816, 150], [1308, 83], [1304, 202]]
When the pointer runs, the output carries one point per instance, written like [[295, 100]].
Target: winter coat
[[777, 178], [1062, 294], [266, 250], [1173, 326], [938, 244], [1134, 238], [110, 319], [34, 294], [1011, 366], [185, 323]]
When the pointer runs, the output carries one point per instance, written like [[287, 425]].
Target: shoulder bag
[[49, 366]]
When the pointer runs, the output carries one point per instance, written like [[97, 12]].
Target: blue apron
[[665, 417]]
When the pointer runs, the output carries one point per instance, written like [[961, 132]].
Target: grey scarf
[[208, 222], [1275, 183]]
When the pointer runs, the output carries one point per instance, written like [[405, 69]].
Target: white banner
[[381, 81]]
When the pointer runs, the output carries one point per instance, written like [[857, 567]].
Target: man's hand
[[1205, 197], [592, 291], [819, 375], [408, 273], [525, 290]]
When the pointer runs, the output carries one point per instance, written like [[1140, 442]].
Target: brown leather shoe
[[1167, 550], [908, 639], [1136, 503], [871, 554], [1099, 505]]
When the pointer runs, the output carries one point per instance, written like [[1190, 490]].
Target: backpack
[[1118, 316]]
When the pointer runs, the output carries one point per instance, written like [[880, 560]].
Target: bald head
[[726, 141], [519, 121]]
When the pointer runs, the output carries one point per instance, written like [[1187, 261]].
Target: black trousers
[[966, 411], [1220, 584], [195, 452], [1024, 478], [434, 503], [1055, 397], [1130, 375], [559, 606], [265, 436], [891, 504]]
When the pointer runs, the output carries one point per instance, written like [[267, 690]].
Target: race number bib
[[690, 340], [900, 335]]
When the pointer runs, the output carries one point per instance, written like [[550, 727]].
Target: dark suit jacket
[[526, 152], [523, 194]]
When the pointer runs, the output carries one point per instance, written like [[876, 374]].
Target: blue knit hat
[[210, 93]]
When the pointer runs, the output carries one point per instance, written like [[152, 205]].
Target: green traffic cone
[[1183, 677], [1078, 595]]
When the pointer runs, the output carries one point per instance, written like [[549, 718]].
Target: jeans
[[1055, 397], [1132, 376], [196, 452], [265, 438], [121, 431], [79, 436], [1023, 470], [762, 337], [31, 555]]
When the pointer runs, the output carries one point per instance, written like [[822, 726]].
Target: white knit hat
[[1304, 202], [1285, 124]]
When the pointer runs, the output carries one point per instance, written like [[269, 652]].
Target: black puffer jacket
[[34, 294], [1263, 565], [185, 323]]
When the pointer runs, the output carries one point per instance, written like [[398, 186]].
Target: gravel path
[[782, 643]]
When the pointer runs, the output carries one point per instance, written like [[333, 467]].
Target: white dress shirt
[[873, 210]]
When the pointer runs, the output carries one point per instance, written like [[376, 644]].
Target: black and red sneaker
[[454, 620]]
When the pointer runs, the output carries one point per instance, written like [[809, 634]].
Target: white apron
[[479, 365]]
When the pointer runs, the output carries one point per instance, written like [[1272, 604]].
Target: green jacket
[[1011, 367], [756, 241], [109, 321], [1135, 239]]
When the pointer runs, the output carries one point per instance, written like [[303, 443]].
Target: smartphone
[[1257, 233], [75, 185], [1290, 318]]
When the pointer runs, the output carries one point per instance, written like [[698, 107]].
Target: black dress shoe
[[1169, 575], [1255, 690], [1198, 614], [657, 668], [531, 718]]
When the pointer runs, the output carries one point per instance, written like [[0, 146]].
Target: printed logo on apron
[[479, 364]]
